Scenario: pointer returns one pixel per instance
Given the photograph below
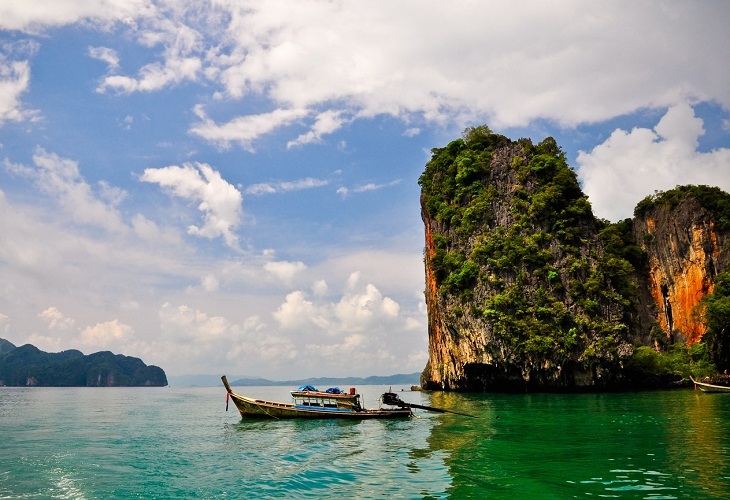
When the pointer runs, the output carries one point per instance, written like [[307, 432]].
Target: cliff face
[[685, 252], [526, 290]]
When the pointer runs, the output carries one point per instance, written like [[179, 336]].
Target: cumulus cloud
[[360, 311], [283, 270], [56, 320], [355, 311], [219, 201], [298, 312], [106, 334], [320, 288], [183, 322], [631, 165]]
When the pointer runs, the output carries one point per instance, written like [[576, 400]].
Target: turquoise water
[[180, 443]]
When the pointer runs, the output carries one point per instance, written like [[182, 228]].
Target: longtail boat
[[312, 404], [705, 387]]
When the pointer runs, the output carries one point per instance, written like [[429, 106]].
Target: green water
[[180, 443]]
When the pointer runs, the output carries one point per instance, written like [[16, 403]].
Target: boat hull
[[257, 408]]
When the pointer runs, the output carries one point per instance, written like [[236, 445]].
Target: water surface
[[181, 443]]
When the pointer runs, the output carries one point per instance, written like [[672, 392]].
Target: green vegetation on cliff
[[517, 256], [538, 280], [29, 366], [717, 317]]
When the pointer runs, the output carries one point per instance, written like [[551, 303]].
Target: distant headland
[[29, 366]]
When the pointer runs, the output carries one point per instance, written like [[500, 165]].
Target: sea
[[175, 442]]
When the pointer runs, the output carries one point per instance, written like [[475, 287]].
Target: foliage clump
[[713, 199], [679, 360], [717, 320]]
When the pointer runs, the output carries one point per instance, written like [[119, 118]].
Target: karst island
[[527, 290]]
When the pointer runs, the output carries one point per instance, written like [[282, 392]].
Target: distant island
[[212, 380], [29, 366]]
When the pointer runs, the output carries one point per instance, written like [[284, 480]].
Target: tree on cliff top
[[713, 199]]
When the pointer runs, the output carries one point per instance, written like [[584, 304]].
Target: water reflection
[[315, 458], [657, 444]]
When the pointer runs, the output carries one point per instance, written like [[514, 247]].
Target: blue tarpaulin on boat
[[334, 390], [306, 388]]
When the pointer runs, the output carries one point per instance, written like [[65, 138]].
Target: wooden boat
[[311, 404], [710, 387]]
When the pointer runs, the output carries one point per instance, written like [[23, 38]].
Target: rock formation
[[527, 290], [685, 252]]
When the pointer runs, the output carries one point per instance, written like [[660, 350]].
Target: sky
[[231, 186]]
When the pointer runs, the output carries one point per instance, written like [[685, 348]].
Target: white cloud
[[285, 186], [14, 80], [105, 54], [390, 60], [107, 334], [629, 166], [155, 77], [355, 311], [186, 323], [244, 130], [56, 320], [297, 312], [60, 178], [283, 270], [320, 288], [325, 123], [365, 310], [32, 16], [219, 201], [374, 187]]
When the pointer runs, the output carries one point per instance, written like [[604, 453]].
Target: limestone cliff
[[526, 290], [685, 252]]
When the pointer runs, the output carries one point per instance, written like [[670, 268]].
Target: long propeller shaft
[[391, 398]]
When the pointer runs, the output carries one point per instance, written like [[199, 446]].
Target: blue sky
[[232, 186]]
